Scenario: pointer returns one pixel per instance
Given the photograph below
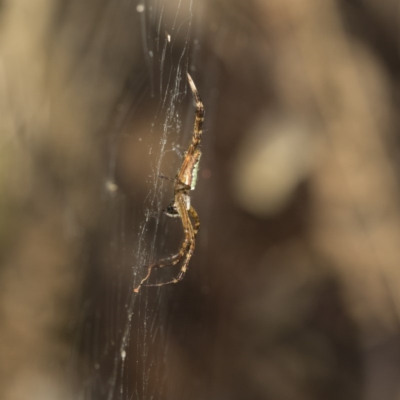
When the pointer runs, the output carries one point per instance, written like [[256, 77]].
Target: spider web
[[291, 292], [125, 337]]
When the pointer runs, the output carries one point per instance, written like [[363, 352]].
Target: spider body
[[184, 181]]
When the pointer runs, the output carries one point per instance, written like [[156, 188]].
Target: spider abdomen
[[194, 173], [191, 170]]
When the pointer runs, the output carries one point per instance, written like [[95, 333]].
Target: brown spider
[[184, 182]]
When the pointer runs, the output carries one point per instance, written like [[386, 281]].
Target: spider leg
[[190, 250], [184, 268], [192, 155], [196, 220], [176, 258], [184, 250], [199, 119], [167, 178], [184, 186], [169, 261]]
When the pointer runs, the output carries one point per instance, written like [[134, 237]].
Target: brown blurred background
[[294, 289]]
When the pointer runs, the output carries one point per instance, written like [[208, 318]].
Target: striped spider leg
[[180, 207]]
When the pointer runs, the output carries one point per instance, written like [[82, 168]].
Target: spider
[[180, 207]]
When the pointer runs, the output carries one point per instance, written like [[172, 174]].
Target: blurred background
[[293, 292]]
